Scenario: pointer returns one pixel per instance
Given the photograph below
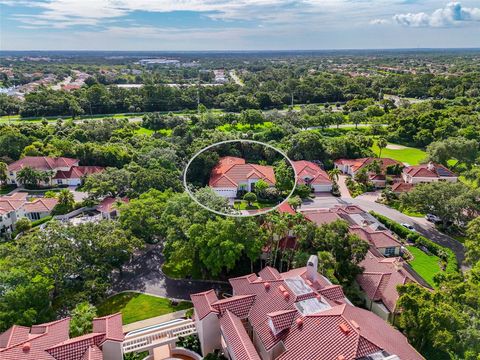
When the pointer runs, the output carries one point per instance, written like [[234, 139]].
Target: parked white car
[[433, 218]]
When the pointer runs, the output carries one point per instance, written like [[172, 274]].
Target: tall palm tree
[[334, 174], [382, 144]]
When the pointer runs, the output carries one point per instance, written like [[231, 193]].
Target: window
[[35, 216], [59, 181], [390, 251]]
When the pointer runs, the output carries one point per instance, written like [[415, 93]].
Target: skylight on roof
[[312, 306], [298, 286]]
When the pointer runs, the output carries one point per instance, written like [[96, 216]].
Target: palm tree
[[334, 174], [3, 173], [65, 198], [382, 144]]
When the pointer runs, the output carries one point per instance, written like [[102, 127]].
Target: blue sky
[[237, 24]]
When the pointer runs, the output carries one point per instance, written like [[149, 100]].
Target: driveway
[[421, 225], [144, 274], [343, 187]]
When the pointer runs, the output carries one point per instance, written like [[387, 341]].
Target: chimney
[[431, 166], [312, 268]]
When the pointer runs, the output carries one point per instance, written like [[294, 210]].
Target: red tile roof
[[239, 305], [311, 171], [380, 279], [378, 239], [42, 163], [41, 205], [77, 172], [51, 341], [310, 316], [237, 338], [399, 187], [203, 303], [108, 204], [357, 164], [430, 170], [286, 208], [232, 171]]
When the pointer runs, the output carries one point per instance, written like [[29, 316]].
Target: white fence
[[157, 336]]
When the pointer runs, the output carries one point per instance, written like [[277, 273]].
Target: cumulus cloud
[[452, 14]]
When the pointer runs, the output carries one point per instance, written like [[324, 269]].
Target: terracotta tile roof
[[378, 239], [313, 172], [237, 338], [399, 187], [203, 303], [239, 305], [42, 163], [321, 216], [381, 277], [431, 170], [311, 317], [7, 205], [286, 208], [77, 172], [108, 204], [231, 171], [357, 164], [93, 353], [51, 341], [269, 273], [41, 205]]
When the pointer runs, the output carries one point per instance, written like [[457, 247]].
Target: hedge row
[[443, 253], [41, 221]]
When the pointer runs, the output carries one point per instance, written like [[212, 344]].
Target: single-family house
[[43, 163], [427, 173], [381, 241], [402, 187], [309, 173], [75, 175], [108, 207], [298, 314], [379, 280], [16, 206], [233, 174], [352, 166]]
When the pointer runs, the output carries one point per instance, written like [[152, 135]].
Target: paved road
[[145, 274], [421, 225]]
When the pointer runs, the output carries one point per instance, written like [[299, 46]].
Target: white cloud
[[451, 15], [379, 22]]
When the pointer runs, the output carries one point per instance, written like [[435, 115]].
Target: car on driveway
[[433, 218], [408, 226]]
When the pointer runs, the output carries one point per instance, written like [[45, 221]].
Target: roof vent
[[341, 357], [309, 283], [282, 288], [286, 295], [26, 347], [355, 324], [267, 285], [299, 322], [344, 327]]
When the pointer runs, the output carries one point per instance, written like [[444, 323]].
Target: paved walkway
[[343, 187], [145, 274]]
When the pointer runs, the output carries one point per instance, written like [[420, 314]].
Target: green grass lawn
[[425, 265], [243, 205], [135, 307], [412, 156], [245, 127]]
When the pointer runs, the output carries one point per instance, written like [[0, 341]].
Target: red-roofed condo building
[[296, 315], [232, 174], [65, 171], [309, 173], [51, 341]]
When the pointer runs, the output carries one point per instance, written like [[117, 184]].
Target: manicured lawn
[[245, 127], [243, 205], [412, 156], [425, 265], [135, 307]]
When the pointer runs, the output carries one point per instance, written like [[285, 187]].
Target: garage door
[[322, 188]]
